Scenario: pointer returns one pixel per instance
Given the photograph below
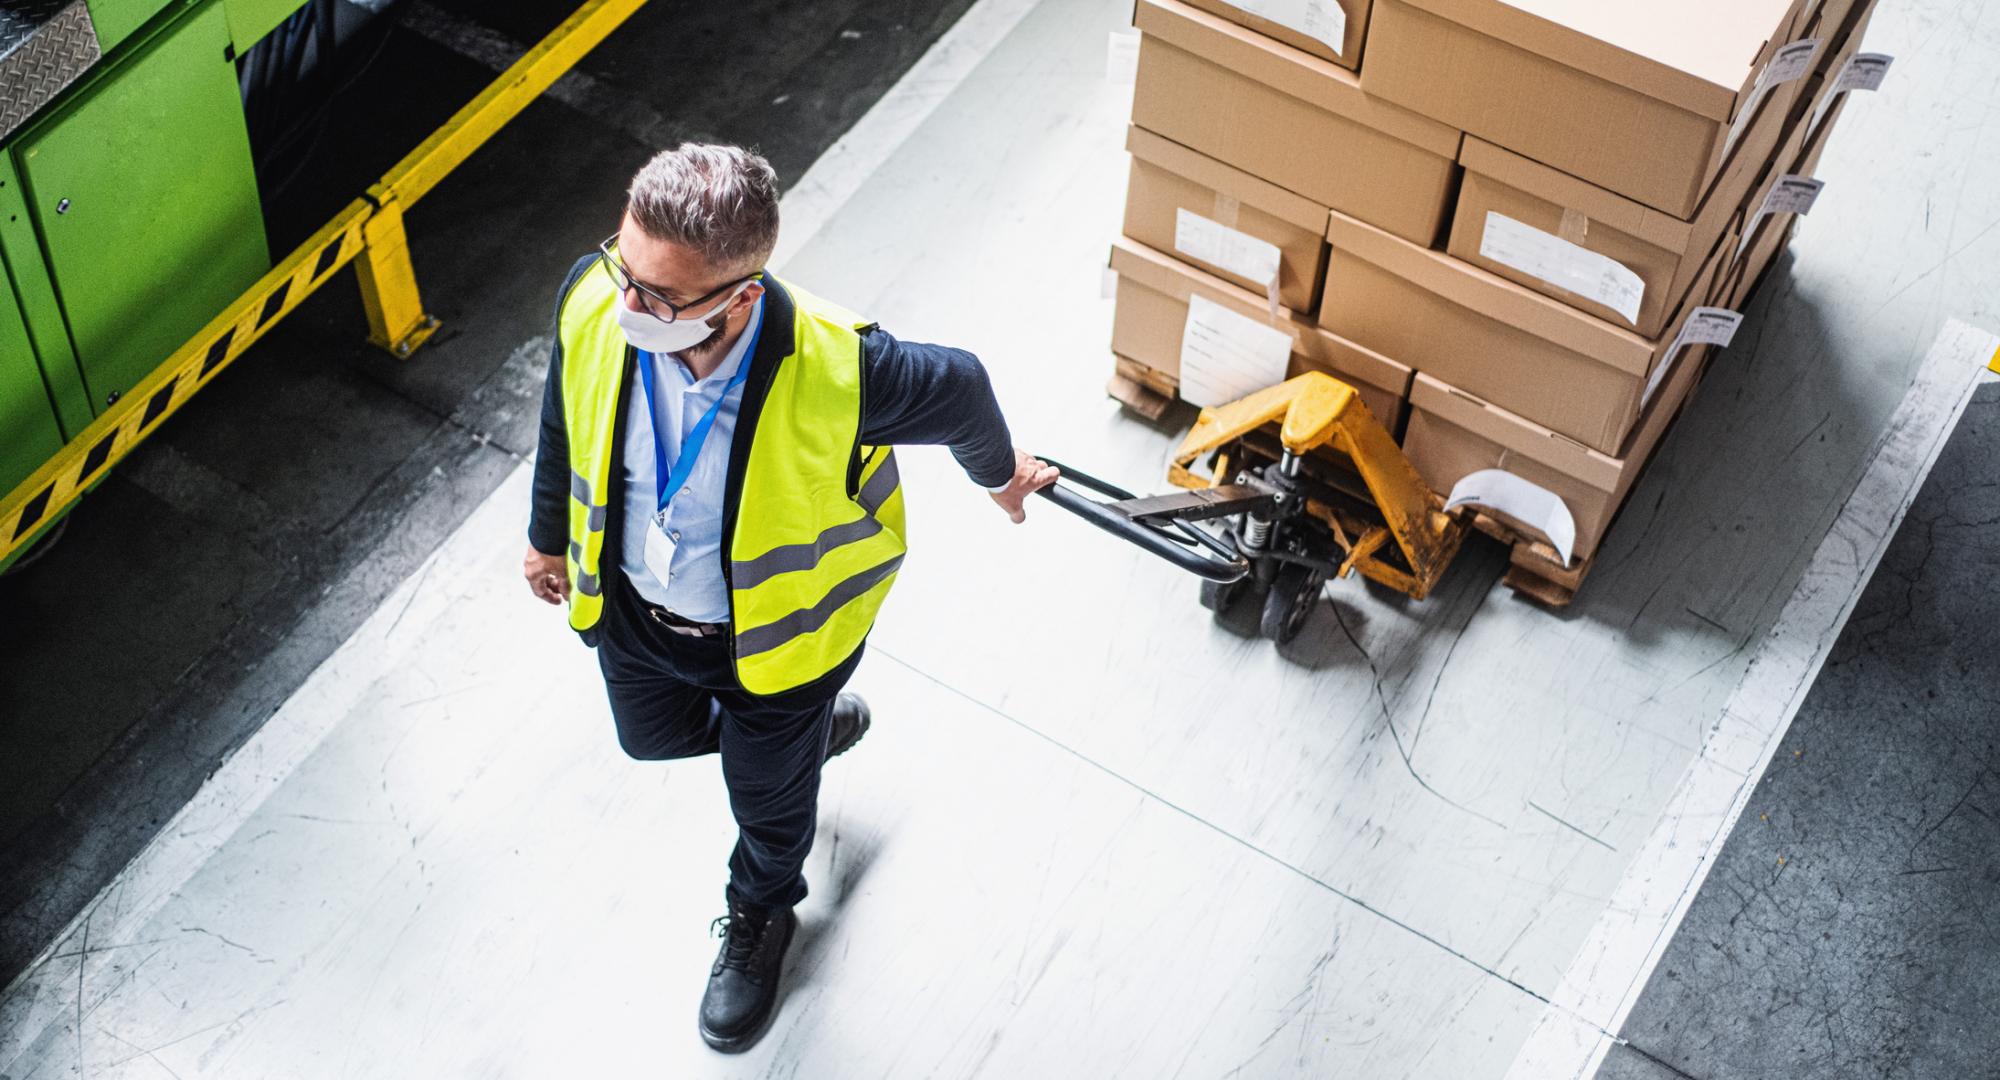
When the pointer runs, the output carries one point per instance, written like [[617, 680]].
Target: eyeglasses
[[659, 307]]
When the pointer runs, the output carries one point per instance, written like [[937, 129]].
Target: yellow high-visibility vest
[[812, 547]]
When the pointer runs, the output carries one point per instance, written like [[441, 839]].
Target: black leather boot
[[743, 985], [850, 722]]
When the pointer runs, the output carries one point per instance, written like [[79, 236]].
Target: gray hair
[[722, 201]]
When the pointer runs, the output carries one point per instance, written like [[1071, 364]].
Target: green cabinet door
[[144, 194], [250, 20], [28, 432], [115, 20], [35, 295]]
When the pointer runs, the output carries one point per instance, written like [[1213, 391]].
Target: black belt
[[680, 625]]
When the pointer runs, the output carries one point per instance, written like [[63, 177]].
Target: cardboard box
[[1302, 24], [1292, 119], [1813, 146], [1799, 156], [1820, 93], [1831, 20], [1452, 434], [1561, 213], [1801, 159], [1772, 240], [1790, 161], [1538, 358], [1773, 234], [1839, 48], [1195, 207], [1152, 312], [1637, 98]]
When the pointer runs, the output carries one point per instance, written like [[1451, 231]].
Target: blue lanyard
[[692, 440]]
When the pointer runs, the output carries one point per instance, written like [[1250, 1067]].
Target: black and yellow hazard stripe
[[138, 413], [388, 285]]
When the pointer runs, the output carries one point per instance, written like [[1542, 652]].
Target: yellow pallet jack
[[1308, 485]]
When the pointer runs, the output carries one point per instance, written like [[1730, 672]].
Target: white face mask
[[650, 334]]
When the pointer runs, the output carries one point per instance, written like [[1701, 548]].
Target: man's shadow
[[851, 847]]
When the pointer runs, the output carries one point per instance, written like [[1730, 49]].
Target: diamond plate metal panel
[[44, 46]]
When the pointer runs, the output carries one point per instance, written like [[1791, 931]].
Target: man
[[716, 500]]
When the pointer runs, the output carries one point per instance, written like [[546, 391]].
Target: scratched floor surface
[[1851, 927], [1091, 833], [238, 546]]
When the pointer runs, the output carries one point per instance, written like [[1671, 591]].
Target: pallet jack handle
[[1192, 549]]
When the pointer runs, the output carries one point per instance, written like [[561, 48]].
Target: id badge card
[[659, 549]]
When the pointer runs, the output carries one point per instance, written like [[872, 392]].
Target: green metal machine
[[129, 205], [136, 137]]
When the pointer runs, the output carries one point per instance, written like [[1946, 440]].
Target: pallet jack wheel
[[1236, 605], [1217, 596], [1290, 600]]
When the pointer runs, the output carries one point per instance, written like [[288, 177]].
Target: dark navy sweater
[[911, 394]]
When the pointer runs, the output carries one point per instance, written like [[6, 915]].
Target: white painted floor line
[[1604, 980], [814, 198], [248, 777]]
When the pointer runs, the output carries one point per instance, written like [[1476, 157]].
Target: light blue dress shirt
[[694, 588]]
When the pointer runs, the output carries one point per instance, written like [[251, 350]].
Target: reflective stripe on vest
[[593, 378], [808, 566], [791, 558]]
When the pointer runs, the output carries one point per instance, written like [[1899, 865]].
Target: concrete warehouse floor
[[1852, 925], [1431, 840], [232, 553]]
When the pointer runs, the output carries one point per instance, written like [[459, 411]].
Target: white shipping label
[[1322, 20], [1530, 504], [1791, 63], [1863, 72], [1706, 326], [1226, 356], [1219, 245], [1710, 326], [1791, 194], [1597, 278]]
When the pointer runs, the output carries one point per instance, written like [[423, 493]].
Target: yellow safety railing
[[368, 232]]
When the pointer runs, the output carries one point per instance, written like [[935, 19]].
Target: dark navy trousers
[[675, 696]]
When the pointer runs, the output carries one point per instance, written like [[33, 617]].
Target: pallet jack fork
[[1331, 494]]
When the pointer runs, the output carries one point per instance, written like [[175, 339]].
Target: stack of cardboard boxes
[[1518, 227]]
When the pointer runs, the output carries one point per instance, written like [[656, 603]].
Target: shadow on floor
[[1851, 926], [224, 560]]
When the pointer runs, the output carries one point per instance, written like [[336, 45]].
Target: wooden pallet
[[1535, 571], [1139, 388]]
